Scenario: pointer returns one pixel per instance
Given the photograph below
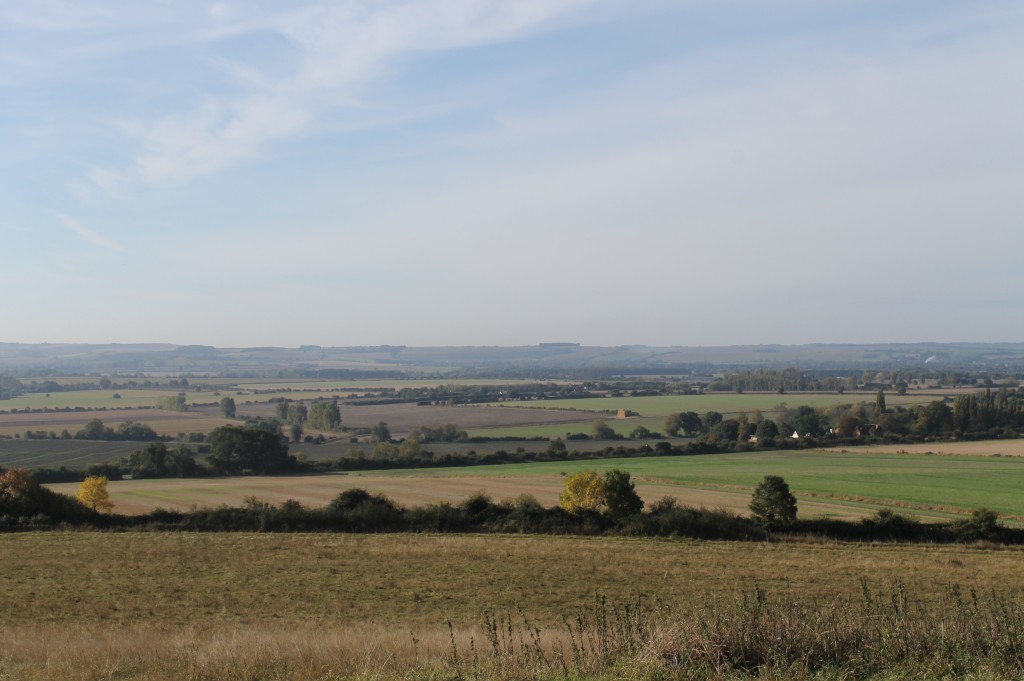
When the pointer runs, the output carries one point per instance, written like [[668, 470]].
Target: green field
[[842, 485], [935, 482], [96, 399], [726, 403]]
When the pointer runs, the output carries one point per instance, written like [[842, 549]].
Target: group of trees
[[612, 494], [998, 413], [238, 450], [127, 431], [449, 432], [159, 461], [172, 403], [324, 415]]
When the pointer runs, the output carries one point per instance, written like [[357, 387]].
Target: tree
[[175, 403], [296, 432], [602, 431], [297, 414], [281, 410], [93, 493], [156, 461], [139, 432], [410, 449], [767, 429], [620, 495], [324, 415], [711, 419], [640, 433], [584, 492], [381, 432], [773, 504], [247, 450], [385, 451], [935, 418], [227, 407], [879, 403], [806, 421], [94, 430], [848, 425], [689, 422]]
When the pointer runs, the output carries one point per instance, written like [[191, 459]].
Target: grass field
[[94, 399], [726, 403], [838, 485]]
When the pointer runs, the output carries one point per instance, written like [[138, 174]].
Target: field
[[74, 454], [841, 485], [160, 606], [414, 580], [403, 417], [725, 403], [171, 423]]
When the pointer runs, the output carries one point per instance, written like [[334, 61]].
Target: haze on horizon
[[474, 172]]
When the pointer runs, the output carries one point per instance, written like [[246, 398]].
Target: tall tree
[[621, 499], [324, 415], [227, 407]]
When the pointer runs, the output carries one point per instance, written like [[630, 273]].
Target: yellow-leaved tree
[[93, 493], [584, 491]]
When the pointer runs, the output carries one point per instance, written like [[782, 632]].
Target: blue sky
[[459, 172]]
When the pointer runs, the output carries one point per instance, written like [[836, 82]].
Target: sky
[[478, 172]]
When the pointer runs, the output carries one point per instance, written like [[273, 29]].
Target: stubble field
[[301, 607]]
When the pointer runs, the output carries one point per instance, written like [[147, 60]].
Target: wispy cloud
[[89, 236], [333, 49]]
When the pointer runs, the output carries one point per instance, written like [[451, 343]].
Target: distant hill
[[534, 360]]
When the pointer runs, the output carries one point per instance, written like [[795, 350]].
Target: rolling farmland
[[842, 485]]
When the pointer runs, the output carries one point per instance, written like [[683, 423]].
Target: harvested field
[[198, 420], [92, 578], [163, 607], [403, 417], [73, 454]]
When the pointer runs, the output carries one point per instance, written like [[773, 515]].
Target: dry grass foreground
[[240, 606]]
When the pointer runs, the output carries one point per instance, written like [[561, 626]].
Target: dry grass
[[78, 606], [338, 580]]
